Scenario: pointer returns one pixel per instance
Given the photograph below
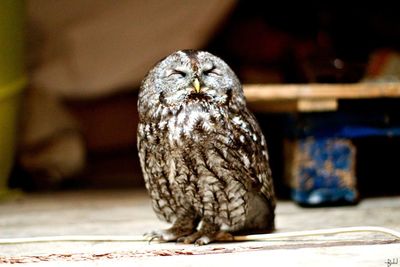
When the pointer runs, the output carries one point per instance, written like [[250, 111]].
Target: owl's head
[[189, 77]]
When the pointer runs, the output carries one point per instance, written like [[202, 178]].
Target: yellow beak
[[196, 85]]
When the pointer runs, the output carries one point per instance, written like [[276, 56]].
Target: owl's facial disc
[[195, 77]]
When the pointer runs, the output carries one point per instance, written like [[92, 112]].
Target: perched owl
[[203, 156]]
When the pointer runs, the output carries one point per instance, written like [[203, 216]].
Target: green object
[[12, 20], [12, 82]]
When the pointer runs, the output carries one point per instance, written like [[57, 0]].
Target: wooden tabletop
[[313, 97]]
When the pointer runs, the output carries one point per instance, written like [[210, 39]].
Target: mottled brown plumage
[[203, 156]]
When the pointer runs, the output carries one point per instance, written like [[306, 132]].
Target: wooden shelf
[[313, 97]]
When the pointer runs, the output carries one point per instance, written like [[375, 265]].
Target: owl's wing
[[253, 154], [154, 172]]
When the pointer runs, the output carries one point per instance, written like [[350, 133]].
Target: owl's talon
[[167, 235], [153, 238], [204, 240], [200, 238], [154, 235], [190, 239]]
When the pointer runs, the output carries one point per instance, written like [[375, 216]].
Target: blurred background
[[84, 60]]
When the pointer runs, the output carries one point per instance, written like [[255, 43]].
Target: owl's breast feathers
[[206, 158]]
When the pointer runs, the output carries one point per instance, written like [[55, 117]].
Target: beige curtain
[[88, 48]]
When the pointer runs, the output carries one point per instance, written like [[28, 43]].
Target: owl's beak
[[196, 85]]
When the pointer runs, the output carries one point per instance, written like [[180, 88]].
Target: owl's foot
[[165, 235], [183, 226], [203, 238], [208, 233]]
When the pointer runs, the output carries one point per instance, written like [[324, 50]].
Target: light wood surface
[[313, 97], [129, 213]]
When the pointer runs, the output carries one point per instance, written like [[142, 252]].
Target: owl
[[203, 156]]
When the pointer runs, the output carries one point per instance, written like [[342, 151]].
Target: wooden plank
[[263, 92], [313, 97], [294, 105], [283, 105], [305, 105]]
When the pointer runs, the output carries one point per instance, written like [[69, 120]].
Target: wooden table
[[313, 97], [312, 168]]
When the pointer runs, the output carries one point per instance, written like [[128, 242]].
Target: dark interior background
[[264, 42]]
